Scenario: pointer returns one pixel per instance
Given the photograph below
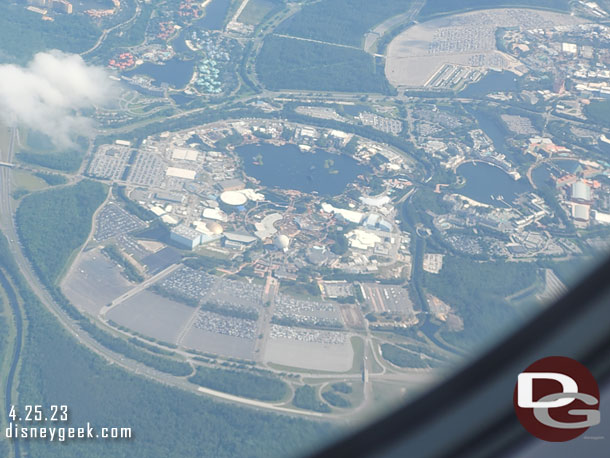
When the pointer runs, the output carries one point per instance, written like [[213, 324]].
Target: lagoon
[[286, 167], [175, 72], [484, 181]]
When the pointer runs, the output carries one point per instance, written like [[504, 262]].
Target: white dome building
[[214, 228], [282, 242], [233, 198]]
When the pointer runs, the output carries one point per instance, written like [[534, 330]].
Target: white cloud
[[47, 94]]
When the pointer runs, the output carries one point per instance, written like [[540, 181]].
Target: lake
[[542, 174], [492, 82], [214, 15], [175, 72], [182, 99], [484, 181], [286, 167], [492, 129]]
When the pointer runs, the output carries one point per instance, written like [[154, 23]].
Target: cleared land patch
[[152, 315], [94, 282]]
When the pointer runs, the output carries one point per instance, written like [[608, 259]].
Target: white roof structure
[[234, 198], [265, 228], [157, 210], [168, 219], [581, 191], [570, 48], [581, 212], [378, 201], [251, 194], [363, 240], [215, 214], [350, 215], [185, 154], [181, 173], [603, 218]]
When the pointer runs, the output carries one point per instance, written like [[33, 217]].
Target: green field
[[28, 181], [256, 10], [286, 63], [54, 223], [441, 7], [341, 21]]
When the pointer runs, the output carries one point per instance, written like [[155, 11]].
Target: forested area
[[52, 179], [598, 111], [57, 370], [485, 311], [54, 223], [316, 66], [405, 358], [341, 21], [23, 33], [65, 161], [264, 387], [336, 400], [305, 397]]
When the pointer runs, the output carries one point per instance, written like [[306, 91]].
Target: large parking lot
[[112, 220], [387, 298]]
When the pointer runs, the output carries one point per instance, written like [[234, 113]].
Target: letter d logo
[[556, 399]]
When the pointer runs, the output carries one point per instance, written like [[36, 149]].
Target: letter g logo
[[556, 399]]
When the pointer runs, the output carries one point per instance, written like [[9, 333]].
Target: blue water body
[[174, 72], [182, 99], [541, 175], [484, 181], [179, 43], [492, 82], [286, 167], [214, 15], [567, 165], [491, 127]]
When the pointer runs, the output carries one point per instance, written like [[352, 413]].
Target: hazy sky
[[47, 94]]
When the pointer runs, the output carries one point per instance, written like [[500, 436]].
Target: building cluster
[[578, 55], [60, 6]]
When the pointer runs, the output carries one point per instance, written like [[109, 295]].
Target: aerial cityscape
[[304, 210]]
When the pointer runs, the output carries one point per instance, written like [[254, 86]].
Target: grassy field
[[256, 10], [358, 346], [28, 181]]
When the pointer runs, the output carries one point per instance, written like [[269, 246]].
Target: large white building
[[185, 236]]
